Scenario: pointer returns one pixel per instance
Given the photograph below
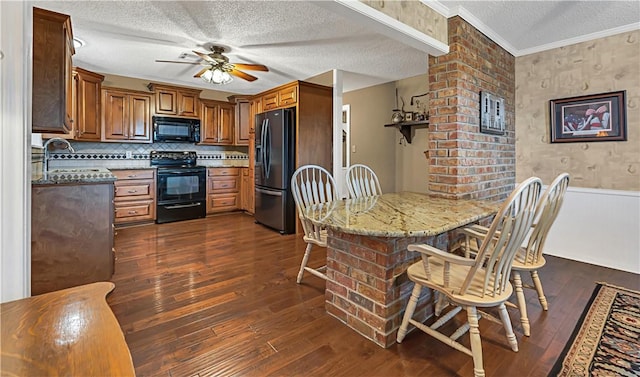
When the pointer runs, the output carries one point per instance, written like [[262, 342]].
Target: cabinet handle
[[133, 212], [132, 176], [132, 191]]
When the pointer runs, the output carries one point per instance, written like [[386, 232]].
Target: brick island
[[367, 254]]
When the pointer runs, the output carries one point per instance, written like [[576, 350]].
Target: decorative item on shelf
[[408, 117], [397, 116], [419, 117]]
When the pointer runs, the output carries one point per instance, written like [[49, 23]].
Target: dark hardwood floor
[[218, 297]]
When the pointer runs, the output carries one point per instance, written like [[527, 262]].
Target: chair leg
[[538, 284], [408, 313], [305, 259], [506, 322], [522, 302], [476, 342]]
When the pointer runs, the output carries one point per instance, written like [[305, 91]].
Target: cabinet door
[[87, 93], [140, 117], [188, 104], [209, 124], [115, 115], [270, 101], [288, 96], [242, 123], [225, 128], [166, 101], [51, 72]]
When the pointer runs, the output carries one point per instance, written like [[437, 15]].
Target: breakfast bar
[[367, 254]]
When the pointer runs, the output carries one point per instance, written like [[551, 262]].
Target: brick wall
[[465, 163]]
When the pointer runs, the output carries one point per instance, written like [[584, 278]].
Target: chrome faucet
[[46, 150]]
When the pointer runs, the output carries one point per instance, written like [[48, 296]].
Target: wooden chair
[[529, 257], [312, 185], [362, 181], [470, 283]]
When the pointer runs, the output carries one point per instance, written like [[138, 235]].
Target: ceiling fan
[[217, 68]]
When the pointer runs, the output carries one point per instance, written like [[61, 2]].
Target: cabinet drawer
[[222, 202], [133, 174], [134, 190], [134, 211], [223, 172], [223, 184], [288, 96]]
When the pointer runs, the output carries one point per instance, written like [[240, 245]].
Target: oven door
[[179, 185]]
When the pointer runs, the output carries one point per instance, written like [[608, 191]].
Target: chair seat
[[520, 264], [473, 297]]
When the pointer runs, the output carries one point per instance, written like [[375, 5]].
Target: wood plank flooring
[[218, 297]]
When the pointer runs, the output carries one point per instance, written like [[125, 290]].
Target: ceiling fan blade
[[173, 61], [242, 75], [202, 72], [204, 56], [251, 67]]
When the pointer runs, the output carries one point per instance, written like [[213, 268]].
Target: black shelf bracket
[[405, 128]]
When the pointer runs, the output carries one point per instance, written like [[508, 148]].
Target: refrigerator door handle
[[267, 151], [262, 149], [269, 192]]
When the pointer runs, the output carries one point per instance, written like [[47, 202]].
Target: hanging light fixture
[[216, 75]]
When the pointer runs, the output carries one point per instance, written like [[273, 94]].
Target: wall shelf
[[405, 127]]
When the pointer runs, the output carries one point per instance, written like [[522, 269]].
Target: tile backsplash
[[123, 155]]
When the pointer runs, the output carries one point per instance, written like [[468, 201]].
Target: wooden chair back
[[362, 181], [311, 185], [546, 213], [505, 236]]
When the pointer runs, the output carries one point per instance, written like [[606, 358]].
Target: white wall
[[15, 132], [600, 227]]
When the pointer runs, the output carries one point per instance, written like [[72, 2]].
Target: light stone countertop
[[404, 214], [73, 176]]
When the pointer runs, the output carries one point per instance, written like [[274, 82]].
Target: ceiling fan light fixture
[[216, 76]]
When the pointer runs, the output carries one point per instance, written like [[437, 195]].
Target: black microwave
[[171, 129]]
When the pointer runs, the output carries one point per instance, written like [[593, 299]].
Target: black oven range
[[181, 186]]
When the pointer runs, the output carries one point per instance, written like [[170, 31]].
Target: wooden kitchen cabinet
[[216, 122], [285, 96], [246, 191], [71, 235], [223, 189], [52, 104], [126, 116], [135, 196], [242, 119], [177, 101]]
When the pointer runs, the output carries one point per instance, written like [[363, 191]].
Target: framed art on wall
[[594, 117], [492, 115]]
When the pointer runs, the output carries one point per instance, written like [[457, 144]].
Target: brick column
[[464, 163], [368, 288]]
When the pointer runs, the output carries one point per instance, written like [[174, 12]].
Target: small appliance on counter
[[182, 186]]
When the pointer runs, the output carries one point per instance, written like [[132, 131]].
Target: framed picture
[[492, 120], [408, 117], [595, 117]]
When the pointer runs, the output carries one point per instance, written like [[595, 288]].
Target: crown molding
[[580, 39], [438, 7]]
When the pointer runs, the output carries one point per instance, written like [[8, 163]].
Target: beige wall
[[602, 65], [412, 165], [374, 144], [415, 14], [140, 84]]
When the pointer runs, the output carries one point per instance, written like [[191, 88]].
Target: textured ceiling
[[298, 40]]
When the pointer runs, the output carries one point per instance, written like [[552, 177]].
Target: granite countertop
[[404, 214], [73, 176]]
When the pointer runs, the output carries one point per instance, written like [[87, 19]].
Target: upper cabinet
[[87, 87], [285, 96], [216, 122], [242, 122], [52, 103], [177, 101], [126, 116]]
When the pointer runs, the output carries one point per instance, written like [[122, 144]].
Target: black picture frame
[[492, 114], [594, 117]]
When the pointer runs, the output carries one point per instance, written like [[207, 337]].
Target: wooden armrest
[[435, 252]]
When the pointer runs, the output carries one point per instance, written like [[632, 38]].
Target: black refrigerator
[[275, 164]]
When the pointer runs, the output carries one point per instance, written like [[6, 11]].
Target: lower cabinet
[[71, 235], [135, 196], [246, 191], [223, 189]]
